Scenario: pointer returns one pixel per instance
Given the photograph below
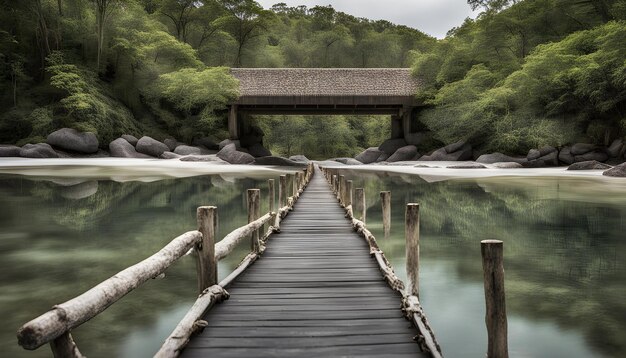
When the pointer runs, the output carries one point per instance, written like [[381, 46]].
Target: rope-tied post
[[412, 248], [206, 266], [359, 204], [271, 195], [342, 188], [282, 191], [385, 200], [495, 317], [254, 212], [348, 193], [335, 183]]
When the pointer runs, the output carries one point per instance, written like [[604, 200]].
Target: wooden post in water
[[207, 265], [359, 204], [254, 212], [334, 180], [348, 194], [294, 188], [495, 318], [412, 247], [385, 200], [342, 189], [282, 191], [271, 194]]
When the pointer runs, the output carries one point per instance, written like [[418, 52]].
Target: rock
[[230, 154], [207, 142], [533, 154], [617, 171], [171, 143], [415, 138], [405, 153], [425, 166], [383, 156], [280, 161], [189, 150], [534, 164], [582, 148], [347, 161], [565, 156], [543, 151], [121, 148], [369, 155], [257, 150], [598, 155], [498, 158], [99, 154], [589, 165], [465, 153], [226, 142], [201, 158], [451, 148], [151, 146], [550, 159], [615, 148], [391, 145], [130, 139], [300, 159], [71, 139], [507, 165], [9, 150], [250, 140], [467, 166], [170, 155], [39, 150], [80, 191]]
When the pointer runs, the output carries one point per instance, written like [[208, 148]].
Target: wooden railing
[[492, 258], [55, 325]]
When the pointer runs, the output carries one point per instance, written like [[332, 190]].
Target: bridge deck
[[316, 292]]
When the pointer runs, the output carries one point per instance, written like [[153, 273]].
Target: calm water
[[564, 256]]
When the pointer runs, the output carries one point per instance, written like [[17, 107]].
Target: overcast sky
[[434, 17]]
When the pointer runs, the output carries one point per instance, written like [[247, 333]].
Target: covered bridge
[[329, 91]]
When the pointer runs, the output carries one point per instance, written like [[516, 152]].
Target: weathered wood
[[64, 347], [282, 191], [359, 207], [495, 318], [233, 123], [230, 241], [385, 200], [292, 183], [342, 188], [413, 310], [412, 248], [71, 314], [245, 263], [206, 263], [254, 212], [271, 194], [191, 323], [334, 185], [348, 193]]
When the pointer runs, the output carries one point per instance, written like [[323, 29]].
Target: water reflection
[[61, 236], [564, 258]]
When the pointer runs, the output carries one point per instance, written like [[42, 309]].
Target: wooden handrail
[[230, 241]]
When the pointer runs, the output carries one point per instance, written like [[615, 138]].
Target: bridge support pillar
[[233, 122], [396, 127], [406, 121]]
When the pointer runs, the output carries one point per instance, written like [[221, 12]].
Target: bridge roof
[[325, 82]]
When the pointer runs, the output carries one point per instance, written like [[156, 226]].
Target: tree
[[103, 11], [182, 13]]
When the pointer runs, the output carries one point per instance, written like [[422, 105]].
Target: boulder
[[250, 140], [201, 158], [207, 142], [424, 166], [498, 158], [257, 150], [467, 166], [589, 165], [369, 155], [189, 150], [533, 154], [383, 156], [582, 148], [171, 143], [617, 171], [451, 148], [151, 146], [39, 150], [9, 150], [391, 145], [615, 148], [230, 154], [534, 164], [405, 153], [597, 155], [121, 148], [80, 191], [565, 156], [507, 165], [226, 142], [465, 153], [170, 155], [347, 161], [550, 159], [71, 139], [130, 139], [543, 151], [415, 138], [300, 159], [280, 161]]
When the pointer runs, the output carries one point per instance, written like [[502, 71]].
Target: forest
[[523, 74]]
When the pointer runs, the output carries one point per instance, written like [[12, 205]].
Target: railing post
[[385, 199], [348, 193], [359, 204], [207, 266], [495, 318], [254, 212], [342, 188], [294, 188], [271, 194], [334, 183], [65, 347], [412, 247], [282, 191]]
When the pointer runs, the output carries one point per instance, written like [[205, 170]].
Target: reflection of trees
[[53, 248], [562, 245]]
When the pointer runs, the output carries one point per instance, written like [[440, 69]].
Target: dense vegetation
[[524, 74]]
